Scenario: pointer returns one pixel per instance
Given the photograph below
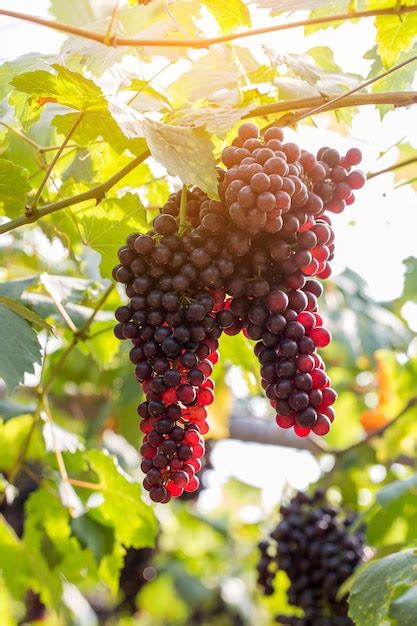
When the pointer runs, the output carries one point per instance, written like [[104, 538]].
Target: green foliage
[[14, 188], [20, 347], [374, 586]]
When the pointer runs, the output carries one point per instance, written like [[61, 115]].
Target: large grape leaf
[[215, 71], [20, 348], [47, 531], [65, 87], [13, 434], [105, 226], [400, 80], [404, 608], [25, 63], [217, 120], [24, 568], [14, 188], [133, 521], [374, 585], [410, 279], [407, 175], [278, 6], [325, 10], [80, 12], [184, 152], [15, 288], [23, 311], [229, 15], [71, 89], [395, 34], [300, 65]]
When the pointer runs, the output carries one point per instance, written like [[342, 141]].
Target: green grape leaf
[[20, 348], [24, 568], [25, 63], [396, 489], [13, 435], [107, 224], [229, 15], [23, 311], [102, 345], [65, 87], [10, 408], [71, 89], [15, 288], [133, 521], [79, 13], [300, 65], [217, 120], [404, 608], [47, 530], [92, 55], [14, 188], [395, 34], [324, 9], [8, 614], [146, 97], [400, 80], [184, 152], [280, 6], [410, 279], [216, 70], [373, 587], [406, 175], [324, 57]]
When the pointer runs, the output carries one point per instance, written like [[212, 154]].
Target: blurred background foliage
[[91, 551]]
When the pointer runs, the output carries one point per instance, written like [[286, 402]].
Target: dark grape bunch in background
[[247, 263], [319, 546]]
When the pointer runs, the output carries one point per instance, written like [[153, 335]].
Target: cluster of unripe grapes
[[238, 266], [319, 546]]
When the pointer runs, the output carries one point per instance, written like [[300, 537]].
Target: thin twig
[[48, 172], [85, 484], [396, 98], [206, 42], [67, 319], [183, 210], [22, 136], [335, 100], [57, 450], [96, 193], [378, 432], [392, 168], [108, 35]]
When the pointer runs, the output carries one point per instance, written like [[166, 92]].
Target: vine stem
[[183, 210], [116, 40], [376, 433], [366, 83], [392, 168], [96, 193], [396, 98], [33, 207]]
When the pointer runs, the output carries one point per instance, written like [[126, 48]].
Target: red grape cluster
[[315, 544], [270, 184], [230, 275]]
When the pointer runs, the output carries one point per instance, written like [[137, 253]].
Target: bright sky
[[372, 237]]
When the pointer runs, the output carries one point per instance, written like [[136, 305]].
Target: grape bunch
[[268, 183], [237, 266], [315, 544]]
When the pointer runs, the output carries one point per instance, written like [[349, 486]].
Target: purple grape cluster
[[316, 546]]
